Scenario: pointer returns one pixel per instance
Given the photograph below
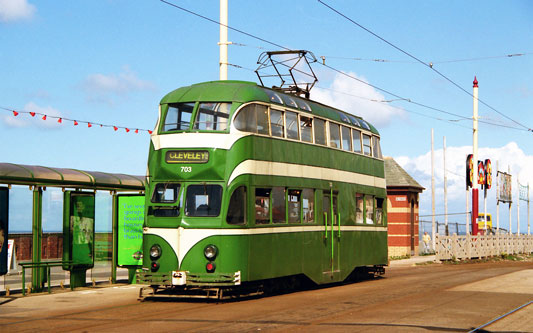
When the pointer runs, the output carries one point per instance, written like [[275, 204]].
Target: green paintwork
[[264, 256]]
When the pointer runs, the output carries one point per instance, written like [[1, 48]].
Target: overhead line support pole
[[475, 195], [223, 44]]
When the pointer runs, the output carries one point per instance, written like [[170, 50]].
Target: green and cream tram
[[247, 184]]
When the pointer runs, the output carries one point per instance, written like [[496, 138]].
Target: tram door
[[331, 220]]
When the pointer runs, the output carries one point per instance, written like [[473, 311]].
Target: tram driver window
[[369, 209], [237, 207], [178, 117], [212, 116], [262, 206], [294, 206], [359, 208], [203, 200]]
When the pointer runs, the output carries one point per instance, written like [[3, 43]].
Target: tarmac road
[[436, 297]]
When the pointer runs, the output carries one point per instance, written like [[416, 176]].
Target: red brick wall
[[399, 219]]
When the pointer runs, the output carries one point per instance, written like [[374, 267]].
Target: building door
[[412, 223]]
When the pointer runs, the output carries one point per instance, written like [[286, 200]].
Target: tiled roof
[[396, 176]]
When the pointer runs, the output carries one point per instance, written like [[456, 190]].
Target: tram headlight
[[155, 251], [210, 252]]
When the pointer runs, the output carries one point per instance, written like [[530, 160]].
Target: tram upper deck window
[[306, 128], [346, 139], [178, 117], [320, 131], [274, 97], [212, 116], [367, 148], [289, 101], [334, 135], [356, 140], [203, 200], [364, 124], [253, 118], [292, 125], [377, 147], [277, 123]]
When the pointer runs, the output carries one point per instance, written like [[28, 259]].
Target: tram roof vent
[[291, 67]]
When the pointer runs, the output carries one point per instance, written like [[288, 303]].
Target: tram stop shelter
[[78, 187], [402, 210]]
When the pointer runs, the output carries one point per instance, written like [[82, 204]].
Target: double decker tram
[[249, 187]]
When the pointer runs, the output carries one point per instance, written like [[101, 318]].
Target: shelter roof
[[397, 177], [62, 177]]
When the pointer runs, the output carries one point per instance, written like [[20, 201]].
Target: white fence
[[469, 246]]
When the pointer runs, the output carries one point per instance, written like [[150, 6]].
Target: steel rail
[[501, 317]]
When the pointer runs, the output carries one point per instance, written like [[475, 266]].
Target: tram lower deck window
[[203, 200]]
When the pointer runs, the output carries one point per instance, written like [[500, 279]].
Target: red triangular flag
[[150, 132], [44, 117], [60, 120], [32, 114], [127, 130], [75, 123], [15, 113], [89, 125], [115, 128], [137, 130]]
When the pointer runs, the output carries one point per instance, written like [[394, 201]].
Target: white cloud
[[356, 97], [510, 155], [26, 120], [104, 88], [14, 10]]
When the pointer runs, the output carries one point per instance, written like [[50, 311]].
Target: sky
[[111, 61]]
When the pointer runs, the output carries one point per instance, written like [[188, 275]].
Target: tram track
[[495, 320]]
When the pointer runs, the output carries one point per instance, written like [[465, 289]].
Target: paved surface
[[421, 298]]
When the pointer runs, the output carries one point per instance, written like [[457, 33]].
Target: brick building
[[402, 209]]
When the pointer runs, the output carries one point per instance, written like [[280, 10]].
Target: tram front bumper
[[186, 278]]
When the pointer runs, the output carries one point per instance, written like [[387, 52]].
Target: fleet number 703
[[186, 169]]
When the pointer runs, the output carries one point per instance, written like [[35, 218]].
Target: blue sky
[[111, 61]]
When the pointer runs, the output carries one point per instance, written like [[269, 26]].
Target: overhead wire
[[332, 68], [421, 62]]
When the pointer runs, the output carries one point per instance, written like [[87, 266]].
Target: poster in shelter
[[4, 215], [130, 221]]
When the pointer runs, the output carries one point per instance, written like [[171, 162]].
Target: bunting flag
[[75, 122]]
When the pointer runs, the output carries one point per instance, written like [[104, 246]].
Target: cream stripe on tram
[[268, 168]]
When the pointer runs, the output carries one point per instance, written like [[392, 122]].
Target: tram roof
[[18, 174], [244, 91]]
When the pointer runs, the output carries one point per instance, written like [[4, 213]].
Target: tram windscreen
[[203, 200], [212, 116], [178, 117]]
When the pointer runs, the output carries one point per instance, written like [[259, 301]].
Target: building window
[[308, 205], [277, 124], [306, 128], [334, 135], [262, 206], [294, 206], [237, 207], [367, 148], [346, 139], [212, 116], [278, 205], [320, 131], [178, 117]]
